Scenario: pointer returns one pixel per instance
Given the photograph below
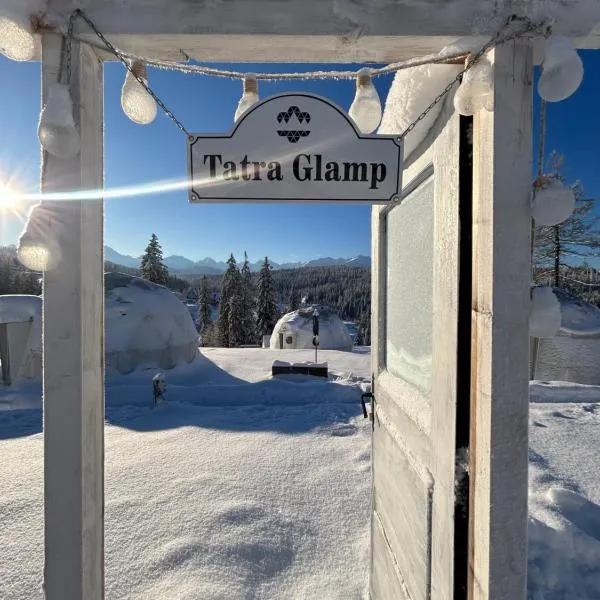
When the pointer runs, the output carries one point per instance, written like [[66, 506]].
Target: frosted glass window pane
[[409, 292]]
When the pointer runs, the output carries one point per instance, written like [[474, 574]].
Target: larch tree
[[266, 305], [558, 247], [152, 267]]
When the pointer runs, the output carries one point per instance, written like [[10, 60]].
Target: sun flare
[[8, 198]]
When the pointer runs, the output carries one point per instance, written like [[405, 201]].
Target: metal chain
[[471, 61], [79, 13]]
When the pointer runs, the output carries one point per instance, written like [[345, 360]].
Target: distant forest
[[347, 290]]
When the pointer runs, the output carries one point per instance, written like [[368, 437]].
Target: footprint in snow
[[343, 430]]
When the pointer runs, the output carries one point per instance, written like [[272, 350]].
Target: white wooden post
[[73, 348], [501, 280]]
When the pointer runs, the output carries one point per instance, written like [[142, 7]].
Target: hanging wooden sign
[[296, 148]]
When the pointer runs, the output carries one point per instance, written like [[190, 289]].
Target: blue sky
[[284, 232]]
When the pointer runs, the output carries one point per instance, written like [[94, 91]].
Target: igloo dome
[[146, 326], [295, 330]]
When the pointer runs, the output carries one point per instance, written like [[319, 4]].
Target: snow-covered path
[[208, 498]]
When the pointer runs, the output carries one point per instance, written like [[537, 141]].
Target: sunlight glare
[[8, 198]]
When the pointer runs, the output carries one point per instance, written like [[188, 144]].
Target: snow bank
[[146, 326], [410, 93], [564, 493], [333, 333]]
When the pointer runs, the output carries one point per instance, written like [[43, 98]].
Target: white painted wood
[[414, 432], [311, 30], [73, 349], [500, 334]]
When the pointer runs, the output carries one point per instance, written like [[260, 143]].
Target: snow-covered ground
[[240, 486], [564, 492], [235, 487]]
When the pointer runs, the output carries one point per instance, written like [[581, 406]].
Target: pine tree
[[152, 267], [267, 308], [230, 286], [247, 303], [235, 321], [6, 283], [294, 299], [577, 237], [203, 319]]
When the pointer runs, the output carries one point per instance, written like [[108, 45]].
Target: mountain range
[[209, 266]]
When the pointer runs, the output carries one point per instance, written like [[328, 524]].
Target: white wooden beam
[[73, 348], [500, 334], [313, 30]]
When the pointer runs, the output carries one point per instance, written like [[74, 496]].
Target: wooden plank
[[255, 23], [445, 345], [386, 582], [73, 348], [401, 502], [501, 280]]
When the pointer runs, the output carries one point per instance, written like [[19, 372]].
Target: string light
[[365, 110], [545, 317], [17, 41], [38, 248], [57, 132], [136, 102], [249, 96], [552, 203], [562, 70]]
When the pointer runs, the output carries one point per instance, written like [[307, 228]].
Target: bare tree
[[576, 239]]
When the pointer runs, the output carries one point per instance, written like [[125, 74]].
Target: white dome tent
[[295, 330], [573, 355], [146, 326], [20, 338]]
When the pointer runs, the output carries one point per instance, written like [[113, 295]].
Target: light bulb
[[545, 317], [16, 37], [552, 204], [365, 110], [136, 102], [249, 97], [476, 90], [57, 132], [562, 70], [37, 248]]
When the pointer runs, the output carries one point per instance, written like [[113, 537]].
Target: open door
[[421, 406], [451, 286]]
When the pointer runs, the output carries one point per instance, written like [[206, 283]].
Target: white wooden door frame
[[73, 339], [74, 327], [502, 153]]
